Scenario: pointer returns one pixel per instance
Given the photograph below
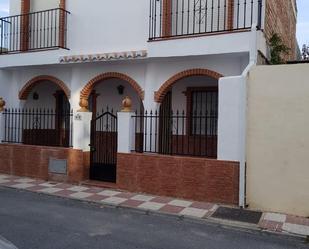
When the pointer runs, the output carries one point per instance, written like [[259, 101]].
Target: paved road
[[32, 221]]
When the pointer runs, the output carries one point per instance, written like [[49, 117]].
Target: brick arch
[[160, 94], [85, 93], [25, 91]]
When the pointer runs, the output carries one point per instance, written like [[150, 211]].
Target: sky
[[302, 26]]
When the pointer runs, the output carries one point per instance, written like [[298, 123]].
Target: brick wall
[[32, 161], [280, 18], [183, 177]]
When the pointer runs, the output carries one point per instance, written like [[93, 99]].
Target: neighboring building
[[186, 56]]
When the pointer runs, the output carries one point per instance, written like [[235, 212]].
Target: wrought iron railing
[[40, 30], [43, 127], [177, 133], [172, 18]]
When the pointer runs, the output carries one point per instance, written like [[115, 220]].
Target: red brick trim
[[24, 39], [85, 93], [167, 18], [230, 15], [62, 21], [25, 91], [159, 95]]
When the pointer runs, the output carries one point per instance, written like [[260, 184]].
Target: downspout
[[253, 55]]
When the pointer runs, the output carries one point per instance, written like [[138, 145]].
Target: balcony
[[179, 18], [37, 31]]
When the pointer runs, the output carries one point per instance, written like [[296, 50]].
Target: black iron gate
[[103, 156]]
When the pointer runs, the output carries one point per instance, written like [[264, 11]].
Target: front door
[[103, 156]]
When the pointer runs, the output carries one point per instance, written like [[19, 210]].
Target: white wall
[[149, 74], [179, 99], [122, 26], [109, 96], [45, 91], [232, 125], [38, 5], [95, 26]]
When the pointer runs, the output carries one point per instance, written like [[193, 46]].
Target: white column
[[81, 130], [232, 125], [126, 132]]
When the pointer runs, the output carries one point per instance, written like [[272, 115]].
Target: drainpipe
[[252, 62]]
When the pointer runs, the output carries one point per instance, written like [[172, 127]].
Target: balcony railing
[[173, 18], [34, 31]]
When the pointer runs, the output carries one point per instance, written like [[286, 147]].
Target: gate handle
[[92, 148]]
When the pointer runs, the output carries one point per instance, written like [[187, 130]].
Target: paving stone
[[95, 197], [65, 193], [24, 180], [296, 229], [48, 184], [94, 190], [180, 203], [35, 188], [109, 193], [131, 203], [160, 199], [275, 217], [202, 205], [297, 220], [50, 190], [80, 195], [4, 181], [78, 188], [23, 185], [126, 195], [171, 209], [114, 200], [151, 206], [194, 212], [142, 198]]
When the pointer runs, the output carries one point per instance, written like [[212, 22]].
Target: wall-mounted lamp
[[120, 89], [35, 96]]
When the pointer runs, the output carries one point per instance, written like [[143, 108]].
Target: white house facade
[[67, 65]]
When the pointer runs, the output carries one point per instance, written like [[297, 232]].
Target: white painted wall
[[46, 100], [232, 125], [109, 96], [231, 104], [150, 75], [38, 5], [179, 99], [95, 28]]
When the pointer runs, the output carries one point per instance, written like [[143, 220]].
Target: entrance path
[[272, 222]]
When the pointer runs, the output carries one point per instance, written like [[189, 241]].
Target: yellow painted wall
[[278, 139]]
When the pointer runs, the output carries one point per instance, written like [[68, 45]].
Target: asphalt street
[[34, 221]]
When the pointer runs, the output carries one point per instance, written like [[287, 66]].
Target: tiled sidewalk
[[269, 221]]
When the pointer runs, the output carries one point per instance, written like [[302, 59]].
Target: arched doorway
[[103, 96], [188, 116], [46, 116]]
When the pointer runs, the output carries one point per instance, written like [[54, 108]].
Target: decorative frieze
[[104, 57]]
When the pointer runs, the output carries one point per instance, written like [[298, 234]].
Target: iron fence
[[305, 52], [177, 133], [45, 127], [34, 31], [171, 18]]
